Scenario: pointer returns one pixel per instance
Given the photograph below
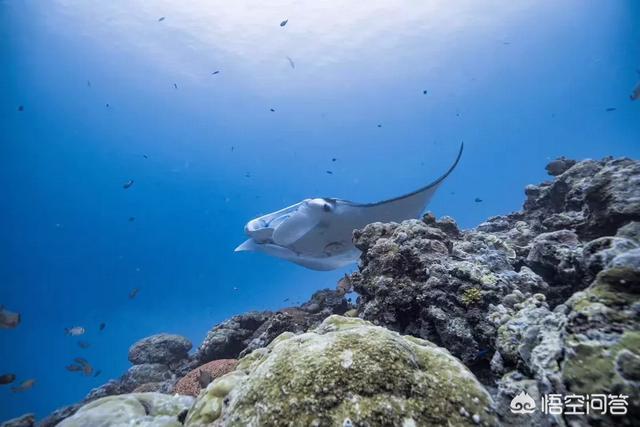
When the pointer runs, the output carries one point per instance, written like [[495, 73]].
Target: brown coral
[[190, 383]]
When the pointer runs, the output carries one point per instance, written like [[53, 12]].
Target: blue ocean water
[[111, 92]]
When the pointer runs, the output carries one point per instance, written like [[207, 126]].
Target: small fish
[[8, 319], [610, 109], [102, 326], [286, 299], [127, 184], [329, 172], [635, 94], [133, 293], [107, 105], [73, 368], [215, 72], [7, 379], [74, 331], [272, 110], [97, 373], [424, 92], [132, 218], [204, 378], [175, 85], [24, 386], [334, 159], [293, 65], [145, 156], [379, 125], [87, 370], [81, 361], [161, 19], [477, 200], [83, 344], [283, 23]]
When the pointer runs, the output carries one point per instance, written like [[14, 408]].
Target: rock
[[58, 415], [140, 409], [509, 386], [245, 333], [26, 420], [148, 373], [345, 372], [229, 338], [191, 385], [161, 348], [559, 166]]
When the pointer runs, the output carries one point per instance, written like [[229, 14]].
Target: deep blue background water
[[519, 82]]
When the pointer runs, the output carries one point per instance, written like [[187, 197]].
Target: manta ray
[[317, 233]]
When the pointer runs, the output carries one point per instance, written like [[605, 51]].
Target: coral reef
[[192, 383], [345, 372], [140, 409], [545, 300]]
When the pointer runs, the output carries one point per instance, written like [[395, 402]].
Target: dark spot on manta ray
[[283, 23], [610, 109], [478, 200]]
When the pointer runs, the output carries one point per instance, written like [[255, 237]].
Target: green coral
[[607, 361], [345, 371], [471, 296], [139, 409]]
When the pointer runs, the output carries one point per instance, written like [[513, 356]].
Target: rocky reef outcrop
[[450, 325]]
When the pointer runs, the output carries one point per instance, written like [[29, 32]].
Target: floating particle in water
[[333, 159], [107, 105], [84, 344], [247, 175], [88, 83], [329, 172], [102, 326], [610, 109], [127, 184], [283, 23], [477, 200], [161, 19], [291, 63], [133, 293], [145, 156], [132, 218], [20, 107]]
